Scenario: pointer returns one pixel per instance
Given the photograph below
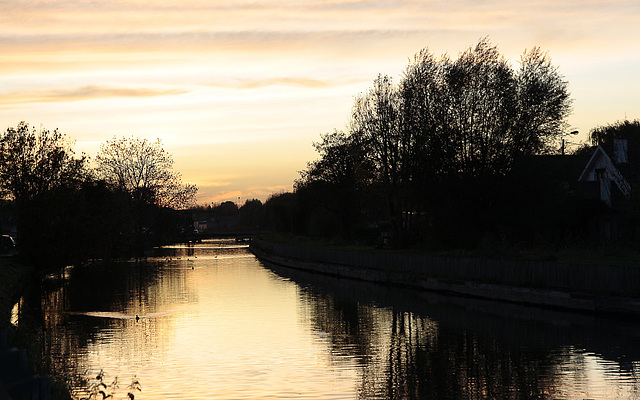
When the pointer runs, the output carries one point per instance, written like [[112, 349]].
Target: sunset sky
[[238, 90]]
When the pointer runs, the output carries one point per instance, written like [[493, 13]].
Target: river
[[210, 321]]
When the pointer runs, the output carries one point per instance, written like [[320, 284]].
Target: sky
[[238, 91]]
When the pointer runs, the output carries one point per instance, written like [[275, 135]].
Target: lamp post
[[563, 141]]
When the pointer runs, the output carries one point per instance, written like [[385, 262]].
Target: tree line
[[450, 156], [460, 153], [69, 210]]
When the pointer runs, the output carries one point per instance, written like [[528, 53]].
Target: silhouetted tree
[[225, 209], [41, 175], [342, 161], [375, 125], [475, 116], [282, 212], [330, 191], [604, 135], [145, 170], [437, 144], [543, 104], [33, 162], [252, 216]]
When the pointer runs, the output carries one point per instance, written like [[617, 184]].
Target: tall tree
[[33, 162], [452, 126], [144, 170], [425, 112], [342, 162], [480, 111], [330, 191], [543, 103], [375, 125], [475, 115], [39, 171]]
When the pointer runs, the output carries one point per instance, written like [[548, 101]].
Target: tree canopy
[[68, 213], [33, 162], [471, 116], [629, 130], [454, 124]]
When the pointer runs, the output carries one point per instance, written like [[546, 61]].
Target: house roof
[[598, 159], [601, 160]]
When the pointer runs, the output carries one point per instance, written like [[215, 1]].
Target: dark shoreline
[[599, 289], [21, 375]]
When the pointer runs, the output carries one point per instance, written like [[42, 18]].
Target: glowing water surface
[[210, 321]]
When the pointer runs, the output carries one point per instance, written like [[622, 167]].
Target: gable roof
[[601, 160]]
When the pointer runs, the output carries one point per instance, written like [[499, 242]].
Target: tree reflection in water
[[412, 345], [363, 340], [127, 290]]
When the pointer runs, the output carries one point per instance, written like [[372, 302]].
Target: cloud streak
[[82, 93], [226, 79], [310, 83]]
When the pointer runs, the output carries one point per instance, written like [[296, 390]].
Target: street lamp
[[563, 141]]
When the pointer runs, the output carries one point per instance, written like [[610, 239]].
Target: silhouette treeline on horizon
[[66, 212], [461, 153]]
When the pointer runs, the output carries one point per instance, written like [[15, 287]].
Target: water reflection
[[214, 322], [88, 309], [412, 345]]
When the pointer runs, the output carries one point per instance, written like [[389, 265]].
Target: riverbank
[[13, 277], [607, 289], [18, 345]]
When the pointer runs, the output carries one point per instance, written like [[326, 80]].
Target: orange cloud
[[211, 194], [82, 93]]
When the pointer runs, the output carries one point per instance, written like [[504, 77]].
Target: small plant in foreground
[[98, 387]]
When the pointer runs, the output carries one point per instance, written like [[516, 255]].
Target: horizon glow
[[238, 91]]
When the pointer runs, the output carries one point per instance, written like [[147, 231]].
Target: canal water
[[210, 321]]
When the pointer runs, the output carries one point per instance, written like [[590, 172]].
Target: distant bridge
[[199, 237]]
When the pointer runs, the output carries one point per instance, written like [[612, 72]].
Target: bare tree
[[425, 112], [144, 170], [376, 127]]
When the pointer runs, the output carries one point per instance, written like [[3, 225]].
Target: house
[[602, 178], [608, 176], [584, 193]]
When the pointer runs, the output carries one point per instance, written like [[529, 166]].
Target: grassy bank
[[602, 255], [596, 288]]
